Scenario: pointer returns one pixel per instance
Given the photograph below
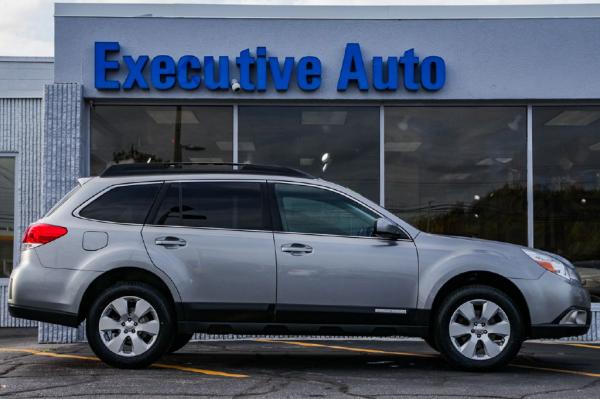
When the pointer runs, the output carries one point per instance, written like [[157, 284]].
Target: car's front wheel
[[180, 340], [478, 328], [129, 325]]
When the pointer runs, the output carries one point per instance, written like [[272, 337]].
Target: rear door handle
[[170, 242], [296, 249]]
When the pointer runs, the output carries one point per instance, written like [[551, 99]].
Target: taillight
[[40, 233]]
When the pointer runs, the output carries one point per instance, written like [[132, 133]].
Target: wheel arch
[[133, 274], [484, 278]]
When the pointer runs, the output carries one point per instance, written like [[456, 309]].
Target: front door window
[[305, 209]]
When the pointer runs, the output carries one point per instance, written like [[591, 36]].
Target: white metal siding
[[63, 164], [21, 134]]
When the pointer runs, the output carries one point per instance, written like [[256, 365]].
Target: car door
[[331, 269], [213, 238]]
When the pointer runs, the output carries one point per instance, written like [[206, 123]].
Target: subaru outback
[[149, 254]]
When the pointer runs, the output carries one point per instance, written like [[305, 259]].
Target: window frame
[[89, 123], [266, 214], [80, 207], [276, 216], [387, 185], [319, 106], [16, 211], [538, 186]]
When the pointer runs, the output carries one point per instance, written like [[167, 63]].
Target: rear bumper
[[45, 294], [44, 315]]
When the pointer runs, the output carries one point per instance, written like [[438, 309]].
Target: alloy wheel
[[479, 329], [129, 326]]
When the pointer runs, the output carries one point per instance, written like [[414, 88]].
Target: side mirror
[[385, 229]]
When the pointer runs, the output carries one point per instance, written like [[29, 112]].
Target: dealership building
[[481, 121]]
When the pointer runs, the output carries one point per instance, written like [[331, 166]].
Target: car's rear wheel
[[478, 328], [129, 325], [180, 341]]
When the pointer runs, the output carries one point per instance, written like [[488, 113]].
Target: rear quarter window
[[123, 204]]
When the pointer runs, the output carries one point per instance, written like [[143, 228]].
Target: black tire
[[180, 340], [442, 328], [431, 342], [163, 339]]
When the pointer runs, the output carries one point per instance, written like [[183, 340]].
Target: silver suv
[[149, 254]]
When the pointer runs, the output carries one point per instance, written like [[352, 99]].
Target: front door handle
[[170, 242], [296, 249]]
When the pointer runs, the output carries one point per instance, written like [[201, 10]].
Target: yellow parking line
[[48, 354], [200, 371], [157, 365], [349, 348], [414, 354], [586, 346], [564, 371]]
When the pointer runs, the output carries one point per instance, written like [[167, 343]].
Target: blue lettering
[[281, 78], [102, 65], [410, 63], [308, 75], [213, 83], [163, 72], [189, 73], [353, 69], [433, 73], [135, 74], [379, 81], [185, 65], [261, 68], [245, 61]]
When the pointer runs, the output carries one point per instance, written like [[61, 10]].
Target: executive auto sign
[[259, 72]]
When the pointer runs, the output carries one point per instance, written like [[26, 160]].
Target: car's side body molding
[[302, 314]]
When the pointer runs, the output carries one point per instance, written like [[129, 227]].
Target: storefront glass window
[[340, 144], [458, 170], [126, 134], [566, 177], [7, 207]]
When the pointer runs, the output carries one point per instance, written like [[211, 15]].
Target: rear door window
[[123, 204], [227, 205]]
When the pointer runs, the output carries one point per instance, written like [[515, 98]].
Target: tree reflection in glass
[[566, 176], [458, 170]]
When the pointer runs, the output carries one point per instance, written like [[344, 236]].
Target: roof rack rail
[[140, 169]]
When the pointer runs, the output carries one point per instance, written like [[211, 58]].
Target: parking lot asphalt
[[295, 369]]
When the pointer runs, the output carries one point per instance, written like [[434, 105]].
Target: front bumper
[[549, 299], [556, 329]]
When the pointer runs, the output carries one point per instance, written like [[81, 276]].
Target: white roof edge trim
[[399, 12], [48, 60]]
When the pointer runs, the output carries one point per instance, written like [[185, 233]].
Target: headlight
[[552, 264]]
